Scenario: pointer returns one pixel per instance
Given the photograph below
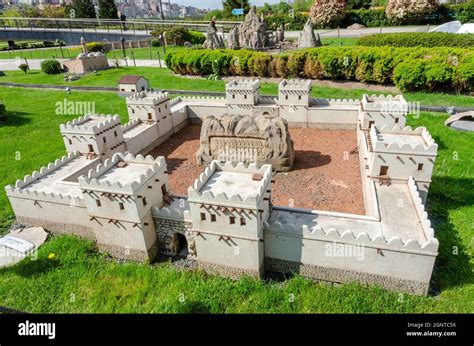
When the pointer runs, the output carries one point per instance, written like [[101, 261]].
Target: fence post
[[159, 59], [133, 57]]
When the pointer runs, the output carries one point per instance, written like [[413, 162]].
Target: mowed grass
[[79, 279], [162, 78]]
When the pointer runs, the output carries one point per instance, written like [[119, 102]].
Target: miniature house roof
[[130, 79]]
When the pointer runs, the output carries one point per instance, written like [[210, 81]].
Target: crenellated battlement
[[384, 103], [130, 125], [302, 85], [363, 239], [406, 140], [97, 179], [91, 124], [420, 209], [195, 194], [147, 98], [243, 85], [45, 170], [202, 98]]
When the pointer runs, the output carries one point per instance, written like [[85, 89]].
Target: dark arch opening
[[182, 245]]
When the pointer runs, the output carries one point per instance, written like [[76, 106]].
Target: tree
[[410, 11], [83, 9], [327, 13], [107, 9], [52, 11], [229, 5], [302, 5]]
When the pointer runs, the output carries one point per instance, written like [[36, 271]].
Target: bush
[[295, 22], [422, 39], [464, 12], [327, 13], [177, 35], [95, 46], [368, 18], [358, 4], [51, 66], [408, 68], [410, 11]]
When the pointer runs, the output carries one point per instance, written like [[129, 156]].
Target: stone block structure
[[105, 190], [260, 139]]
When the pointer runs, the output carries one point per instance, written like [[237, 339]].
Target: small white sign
[[17, 244]]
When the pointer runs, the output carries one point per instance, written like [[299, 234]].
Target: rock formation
[[281, 33], [213, 40], [245, 138], [233, 40], [253, 32], [307, 37]]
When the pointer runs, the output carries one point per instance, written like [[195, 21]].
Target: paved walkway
[[35, 64]]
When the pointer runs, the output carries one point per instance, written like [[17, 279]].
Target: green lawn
[[165, 79], [78, 279]]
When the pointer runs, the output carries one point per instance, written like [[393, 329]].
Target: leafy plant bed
[[407, 68]]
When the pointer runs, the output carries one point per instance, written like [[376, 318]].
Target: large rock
[[245, 138], [307, 37], [253, 32], [233, 40], [213, 40]]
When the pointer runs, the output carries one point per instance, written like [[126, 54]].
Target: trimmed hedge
[[178, 35], [407, 68], [418, 39]]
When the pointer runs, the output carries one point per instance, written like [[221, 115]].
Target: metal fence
[[104, 25]]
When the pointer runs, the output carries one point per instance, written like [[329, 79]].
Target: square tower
[[242, 96], [229, 204], [382, 111], [151, 107], [119, 195], [94, 135], [294, 92], [396, 153]]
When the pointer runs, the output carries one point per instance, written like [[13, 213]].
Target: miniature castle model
[[106, 190], [86, 62]]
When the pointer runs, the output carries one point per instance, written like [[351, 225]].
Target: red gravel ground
[[325, 175]]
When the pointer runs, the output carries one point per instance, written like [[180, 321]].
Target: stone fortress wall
[[232, 234]]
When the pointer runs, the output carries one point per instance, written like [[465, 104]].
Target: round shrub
[[51, 66], [95, 46], [327, 13]]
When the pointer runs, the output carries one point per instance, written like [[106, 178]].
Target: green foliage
[[464, 12], [358, 4], [51, 66], [83, 9], [368, 18], [229, 5], [407, 68], [95, 46], [178, 35], [421, 39], [24, 68], [295, 22], [107, 9]]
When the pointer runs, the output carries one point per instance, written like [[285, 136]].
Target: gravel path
[[325, 175]]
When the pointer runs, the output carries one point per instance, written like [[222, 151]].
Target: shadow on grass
[[14, 119], [33, 267], [452, 267], [195, 307]]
